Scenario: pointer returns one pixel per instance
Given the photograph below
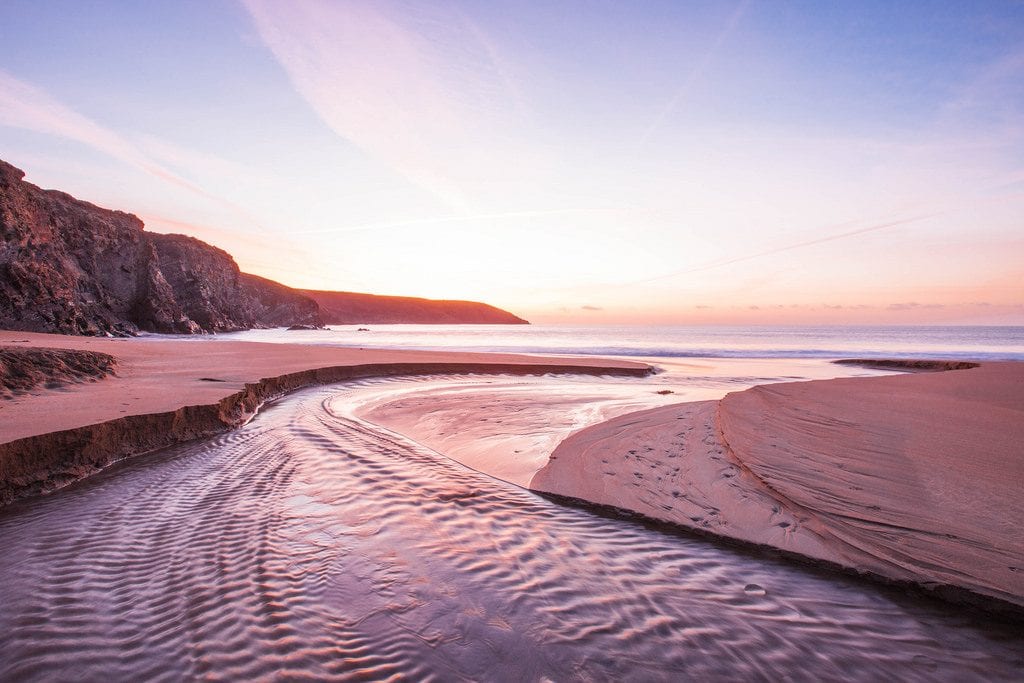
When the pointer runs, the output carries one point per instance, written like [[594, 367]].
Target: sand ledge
[[167, 392], [43, 463], [997, 607], [907, 478], [25, 369]]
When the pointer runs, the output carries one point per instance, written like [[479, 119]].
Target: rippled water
[[311, 544]]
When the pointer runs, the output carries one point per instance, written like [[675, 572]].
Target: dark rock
[[908, 364], [71, 267], [346, 308], [65, 265], [275, 305]]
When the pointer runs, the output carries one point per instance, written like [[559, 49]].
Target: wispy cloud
[[911, 305], [28, 107], [417, 87], [460, 218], [23, 105]]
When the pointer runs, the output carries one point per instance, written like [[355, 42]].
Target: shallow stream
[[312, 544]]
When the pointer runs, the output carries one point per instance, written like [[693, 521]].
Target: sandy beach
[[910, 477], [165, 391], [317, 538]]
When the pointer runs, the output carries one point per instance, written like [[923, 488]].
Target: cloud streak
[[788, 247], [28, 107], [440, 220], [419, 89], [25, 106], [695, 73]]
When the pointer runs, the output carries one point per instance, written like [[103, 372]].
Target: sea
[[824, 342]]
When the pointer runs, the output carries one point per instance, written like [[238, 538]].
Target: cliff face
[[70, 267], [65, 265], [276, 305], [352, 308]]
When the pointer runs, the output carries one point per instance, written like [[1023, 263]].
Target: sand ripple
[[311, 544]]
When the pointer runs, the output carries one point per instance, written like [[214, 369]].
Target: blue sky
[[578, 162]]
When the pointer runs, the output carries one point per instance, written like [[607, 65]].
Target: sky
[[584, 162]]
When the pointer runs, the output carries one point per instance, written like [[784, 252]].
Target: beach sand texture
[[908, 477]]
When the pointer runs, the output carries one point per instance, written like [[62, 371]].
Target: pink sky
[[669, 164]]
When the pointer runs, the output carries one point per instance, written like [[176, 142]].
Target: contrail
[[795, 245], [695, 73]]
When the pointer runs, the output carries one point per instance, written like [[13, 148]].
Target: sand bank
[[910, 478], [167, 391]]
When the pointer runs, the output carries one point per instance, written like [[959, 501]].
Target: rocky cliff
[[353, 308], [71, 267]]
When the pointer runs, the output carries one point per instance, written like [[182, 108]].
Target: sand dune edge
[[907, 478]]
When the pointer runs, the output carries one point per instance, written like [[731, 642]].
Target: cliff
[[71, 267], [352, 308]]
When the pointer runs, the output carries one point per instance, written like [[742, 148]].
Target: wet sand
[[911, 477], [508, 427]]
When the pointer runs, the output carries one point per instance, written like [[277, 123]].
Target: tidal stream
[[311, 544]]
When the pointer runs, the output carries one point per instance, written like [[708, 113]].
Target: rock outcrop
[[275, 305], [25, 369], [71, 267], [345, 308]]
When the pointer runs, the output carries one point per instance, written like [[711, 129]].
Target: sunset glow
[[572, 162]]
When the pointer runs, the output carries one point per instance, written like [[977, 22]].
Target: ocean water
[[827, 342]]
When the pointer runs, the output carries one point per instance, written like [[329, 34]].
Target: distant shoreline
[[680, 342]]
